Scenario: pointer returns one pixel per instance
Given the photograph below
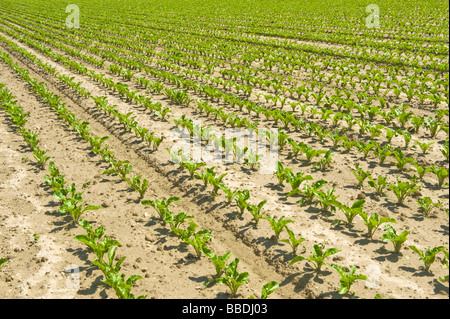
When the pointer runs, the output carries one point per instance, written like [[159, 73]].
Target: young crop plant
[[55, 180], [93, 239], [239, 153], [402, 190], [295, 180], [219, 262], [232, 278], [311, 153], [327, 200], [40, 157], [366, 148], [121, 168], [252, 159], [161, 206], [392, 236], [267, 289], [374, 221], [421, 170], [433, 126], [71, 202], [139, 185], [424, 146], [317, 258], [282, 173], [216, 183], [350, 212], [241, 198], [292, 241], [278, 225], [256, 212], [360, 175], [309, 192], [444, 261], [427, 205], [2, 261], [348, 145], [428, 256], [175, 221], [441, 173], [192, 166], [379, 184], [348, 277], [97, 142], [324, 161], [113, 279], [199, 241], [382, 153]]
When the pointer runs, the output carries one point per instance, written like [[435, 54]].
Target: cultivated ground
[[43, 257]]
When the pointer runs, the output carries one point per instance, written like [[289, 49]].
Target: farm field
[[224, 150]]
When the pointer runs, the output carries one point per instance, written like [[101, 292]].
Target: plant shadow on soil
[[389, 255], [96, 284], [417, 272], [307, 275], [439, 287]]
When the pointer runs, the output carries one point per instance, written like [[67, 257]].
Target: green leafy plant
[[110, 270], [282, 173], [199, 240], [292, 241], [241, 198], [295, 180], [360, 175], [161, 206], [71, 202], [216, 182], [267, 289], [427, 205], [309, 192], [392, 236], [350, 212], [403, 190], [424, 146], [441, 173], [327, 200], [348, 277], [444, 261], [255, 210], [278, 225], [93, 239], [139, 185], [40, 157], [252, 159], [379, 184], [373, 222], [2, 261], [318, 257], [232, 278], [421, 170], [176, 220], [402, 160], [219, 262], [382, 153], [324, 161], [428, 256], [192, 166]]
